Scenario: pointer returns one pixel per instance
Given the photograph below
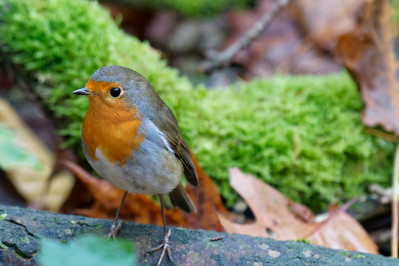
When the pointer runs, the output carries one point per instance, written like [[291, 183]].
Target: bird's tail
[[181, 199]]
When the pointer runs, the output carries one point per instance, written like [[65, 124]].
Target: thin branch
[[394, 239], [226, 55], [381, 134]]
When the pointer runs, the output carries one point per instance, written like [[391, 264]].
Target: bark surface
[[21, 230]]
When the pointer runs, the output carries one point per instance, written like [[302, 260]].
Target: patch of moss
[[2, 246], [395, 8], [302, 135], [198, 8], [306, 241], [359, 256], [61, 43]]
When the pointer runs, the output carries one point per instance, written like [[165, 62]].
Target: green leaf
[[2, 246], [11, 154], [87, 250]]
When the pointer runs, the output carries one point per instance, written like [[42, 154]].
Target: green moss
[[306, 241], [212, 244], [196, 258], [395, 8], [2, 246], [63, 42], [303, 135], [198, 8], [25, 240], [300, 134], [347, 254]]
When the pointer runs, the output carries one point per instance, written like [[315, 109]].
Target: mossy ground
[[303, 135]]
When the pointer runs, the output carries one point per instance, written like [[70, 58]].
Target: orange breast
[[112, 130]]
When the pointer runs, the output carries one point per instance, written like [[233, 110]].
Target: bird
[[131, 138]]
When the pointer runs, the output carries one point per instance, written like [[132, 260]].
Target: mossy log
[[21, 229]]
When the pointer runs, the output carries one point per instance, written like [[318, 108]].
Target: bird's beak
[[83, 91]]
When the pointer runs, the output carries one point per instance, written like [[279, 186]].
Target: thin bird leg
[[165, 246], [113, 232]]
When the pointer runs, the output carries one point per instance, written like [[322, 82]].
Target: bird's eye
[[115, 92]]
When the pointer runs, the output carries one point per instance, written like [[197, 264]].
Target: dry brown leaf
[[32, 183], [367, 52], [341, 231], [142, 209], [208, 201], [301, 212], [360, 34], [326, 21], [274, 218], [270, 208]]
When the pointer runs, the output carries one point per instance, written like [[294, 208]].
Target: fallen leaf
[[342, 231], [12, 154], [301, 211], [142, 209], [359, 32], [31, 183], [326, 21], [87, 250], [274, 218], [208, 201], [367, 52]]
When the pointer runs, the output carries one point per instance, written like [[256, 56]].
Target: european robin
[[132, 139]]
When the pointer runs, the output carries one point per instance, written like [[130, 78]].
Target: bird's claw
[[165, 246], [113, 232]]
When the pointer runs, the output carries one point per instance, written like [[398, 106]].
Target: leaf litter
[[278, 217]]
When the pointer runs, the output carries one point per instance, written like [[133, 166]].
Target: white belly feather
[[154, 169]]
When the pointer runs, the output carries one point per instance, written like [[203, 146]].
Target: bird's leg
[[113, 232], [165, 246]]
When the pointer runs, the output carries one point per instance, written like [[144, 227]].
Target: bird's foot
[[165, 247], [113, 232]]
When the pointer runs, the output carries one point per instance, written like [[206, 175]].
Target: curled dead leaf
[[34, 184], [275, 218], [360, 34]]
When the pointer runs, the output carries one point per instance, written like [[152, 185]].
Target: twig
[[226, 55], [394, 240], [384, 195], [380, 133], [216, 238]]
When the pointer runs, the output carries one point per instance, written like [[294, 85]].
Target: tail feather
[[181, 199]]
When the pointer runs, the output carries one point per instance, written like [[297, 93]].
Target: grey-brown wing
[[183, 153], [166, 122]]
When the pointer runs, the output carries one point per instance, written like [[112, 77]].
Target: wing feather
[[182, 152]]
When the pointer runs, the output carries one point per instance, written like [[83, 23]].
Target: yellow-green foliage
[[395, 7], [300, 134], [63, 42], [191, 8]]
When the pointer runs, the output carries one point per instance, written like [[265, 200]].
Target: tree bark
[[21, 230]]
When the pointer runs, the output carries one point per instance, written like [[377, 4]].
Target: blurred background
[[308, 104]]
